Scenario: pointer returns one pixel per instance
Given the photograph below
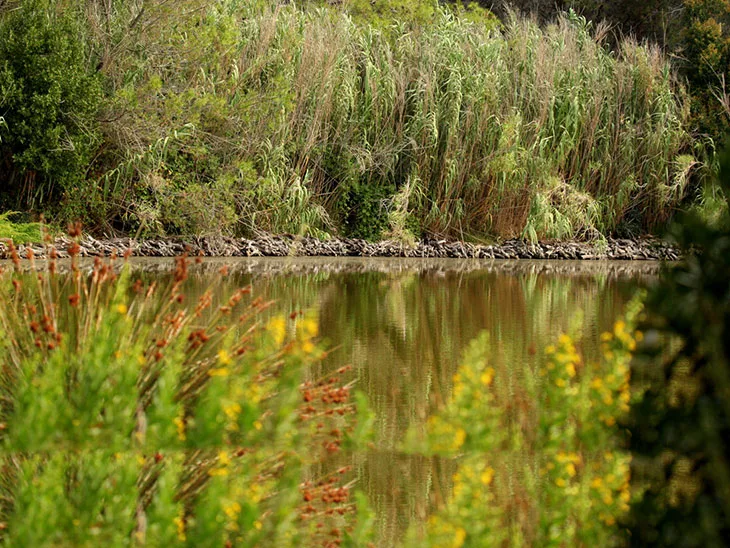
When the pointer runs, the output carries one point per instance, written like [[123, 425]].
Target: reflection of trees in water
[[404, 333]]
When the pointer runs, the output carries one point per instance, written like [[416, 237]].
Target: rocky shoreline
[[292, 246]]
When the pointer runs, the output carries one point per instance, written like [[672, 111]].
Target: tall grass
[[305, 121]]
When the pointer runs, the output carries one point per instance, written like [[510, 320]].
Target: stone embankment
[[285, 246]]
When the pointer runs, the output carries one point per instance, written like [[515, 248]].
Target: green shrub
[[49, 99], [680, 429]]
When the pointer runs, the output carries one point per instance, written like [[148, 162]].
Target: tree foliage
[[48, 99]]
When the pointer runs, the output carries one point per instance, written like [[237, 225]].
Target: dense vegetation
[[680, 427], [390, 119], [133, 413]]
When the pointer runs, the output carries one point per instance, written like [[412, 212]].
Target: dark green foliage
[[365, 209], [706, 53], [48, 99], [681, 428]]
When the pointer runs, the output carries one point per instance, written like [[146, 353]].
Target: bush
[[49, 99], [680, 430]]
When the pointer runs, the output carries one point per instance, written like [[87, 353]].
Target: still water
[[403, 325]]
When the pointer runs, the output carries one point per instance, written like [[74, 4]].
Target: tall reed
[[307, 121]]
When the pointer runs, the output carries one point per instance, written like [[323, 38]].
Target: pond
[[403, 325]]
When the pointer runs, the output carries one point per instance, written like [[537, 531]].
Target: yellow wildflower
[[180, 423], [180, 524], [560, 383], [309, 328], [122, 309], [488, 376], [223, 357], [570, 370], [232, 410], [232, 510], [308, 347], [560, 482], [459, 438], [219, 372], [487, 475], [277, 328], [459, 537], [570, 469]]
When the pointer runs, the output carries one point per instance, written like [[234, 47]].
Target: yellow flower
[[309, 328], [596, 383], [232, 410], [570, 469], [180, 524], [560, 482], [459, 537], [488, 376], [597, 483], [459, 438], [224, 458], [277, 328], [487, 475], [570, 370], [257, 425], [560, 383], [219, 372], [218, 472], [122, 309], [232, 510], [223, 357], [257, 525], [308, 347], [180, 423]]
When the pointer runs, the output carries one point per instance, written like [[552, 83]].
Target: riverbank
[[291, 246]]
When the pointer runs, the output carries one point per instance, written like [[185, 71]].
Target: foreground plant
[[539, 460], [131, 416]]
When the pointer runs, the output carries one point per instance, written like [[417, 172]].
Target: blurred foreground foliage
[[541, 454], [130, 416], [681, 428]]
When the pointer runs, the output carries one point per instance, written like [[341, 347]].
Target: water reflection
[[403, 326]]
